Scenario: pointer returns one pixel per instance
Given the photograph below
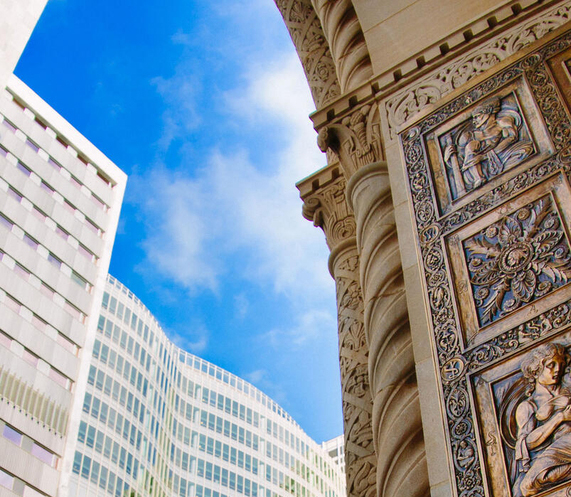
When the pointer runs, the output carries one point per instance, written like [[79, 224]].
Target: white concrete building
[[60, 199], [336, 450], [158, 421]]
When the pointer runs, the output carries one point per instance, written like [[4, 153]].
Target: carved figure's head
[[546, 364], [483, 112]]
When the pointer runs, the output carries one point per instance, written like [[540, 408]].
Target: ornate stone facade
[[325, 205], [307, 36], [451, 199]]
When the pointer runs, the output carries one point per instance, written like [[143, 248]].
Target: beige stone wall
[[386, 25]]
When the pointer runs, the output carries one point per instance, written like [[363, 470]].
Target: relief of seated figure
[[488, 144]]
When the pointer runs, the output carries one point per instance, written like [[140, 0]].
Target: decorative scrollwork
[[307, 35], [513, 262]]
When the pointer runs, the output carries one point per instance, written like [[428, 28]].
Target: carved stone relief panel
[[489, 185], [525, 411], [511, 262], [495, 136]]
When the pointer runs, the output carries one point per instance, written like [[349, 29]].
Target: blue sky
[[204, 105]]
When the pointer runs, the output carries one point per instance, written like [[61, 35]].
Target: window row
[[39, 323], [230, 406], [9, 481], [226, 478], [44, 253], [48, 221], [114, 420], [222, 451], [112, 388], [16, 437], [121, 338], [122, 367], [50, 190], [128, 317], [100, 475], [109, 448], [35, 361], [42, 153]]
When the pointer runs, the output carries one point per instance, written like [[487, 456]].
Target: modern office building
[[336, 450], [60, 199], [158, 421]]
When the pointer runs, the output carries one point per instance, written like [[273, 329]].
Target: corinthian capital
[[324, 204], [355, 138]]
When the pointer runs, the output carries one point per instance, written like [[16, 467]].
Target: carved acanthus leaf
[[327, 209], [356, 139]]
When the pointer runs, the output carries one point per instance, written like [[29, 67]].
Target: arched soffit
[[346, 41], [307, 35]]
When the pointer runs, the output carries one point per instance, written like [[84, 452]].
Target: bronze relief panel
[[492, 137], [524, 408], [488, 176], [512, 262]]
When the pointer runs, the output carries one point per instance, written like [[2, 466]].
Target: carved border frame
[[453, 360]]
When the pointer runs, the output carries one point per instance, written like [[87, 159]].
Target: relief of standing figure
[[486, 145]]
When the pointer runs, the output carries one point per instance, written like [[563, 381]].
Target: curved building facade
[[158, 421]]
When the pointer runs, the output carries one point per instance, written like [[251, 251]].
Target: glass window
[[85, 469], [43, 454], [100, 379], [89, 441], [103, 477], [12, 435], [76, 463], [113, 305]]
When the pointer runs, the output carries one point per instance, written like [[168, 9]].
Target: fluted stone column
[[325, 205], [397, 426]]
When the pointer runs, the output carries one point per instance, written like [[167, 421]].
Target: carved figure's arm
[[509, 133], [541, 433]]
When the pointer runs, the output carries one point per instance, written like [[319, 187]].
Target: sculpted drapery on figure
[[492, 141], [543, 446]]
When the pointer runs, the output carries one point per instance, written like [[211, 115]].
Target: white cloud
[[310, 326], [233, 215], [180, 93], [241, 306], [194, 339], [261, 379]]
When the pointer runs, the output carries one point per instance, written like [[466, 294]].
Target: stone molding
[[397, 425], [312, 48], [442, 58], [430, 89]]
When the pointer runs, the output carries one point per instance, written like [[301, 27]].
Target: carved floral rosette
[[456, 229]]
